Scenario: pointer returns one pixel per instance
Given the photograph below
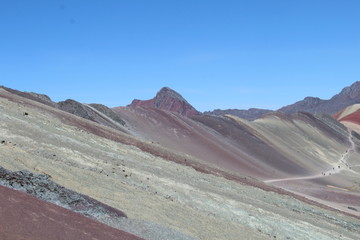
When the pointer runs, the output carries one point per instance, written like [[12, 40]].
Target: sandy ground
[[153, 189]]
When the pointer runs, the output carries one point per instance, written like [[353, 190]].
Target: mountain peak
[[167, 92], [312, 100], [352, 91], [167, 89], [169, 100]]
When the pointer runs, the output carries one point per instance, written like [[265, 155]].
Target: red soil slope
[[350, 117], [353, 117], [24, 217]]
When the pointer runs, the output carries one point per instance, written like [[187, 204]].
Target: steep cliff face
[[168, 100]]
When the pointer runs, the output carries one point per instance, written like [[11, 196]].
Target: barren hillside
[[154, 175]]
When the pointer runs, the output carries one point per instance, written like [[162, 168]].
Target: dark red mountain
[[168, 100]]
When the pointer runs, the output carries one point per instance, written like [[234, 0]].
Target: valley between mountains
[[159, 169]]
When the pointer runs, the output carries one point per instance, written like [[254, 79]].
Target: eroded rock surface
[[42, 187]]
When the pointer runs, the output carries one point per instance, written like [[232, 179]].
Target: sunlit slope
[[306, 141], [327, 149]]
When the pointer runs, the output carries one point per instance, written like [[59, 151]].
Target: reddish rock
[[353, 117], [168, 100], [23, 216]]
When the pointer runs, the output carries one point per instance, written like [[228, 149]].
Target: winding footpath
[[338, 167]]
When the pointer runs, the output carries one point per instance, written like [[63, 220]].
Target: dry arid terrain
[[200, 177]]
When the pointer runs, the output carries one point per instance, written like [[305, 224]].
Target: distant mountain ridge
[[348, 96], [250, 114], [308, 104], [168, 100]]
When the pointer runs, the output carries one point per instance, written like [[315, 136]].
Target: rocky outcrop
[[168, 100], [41, 186], [76, 108]]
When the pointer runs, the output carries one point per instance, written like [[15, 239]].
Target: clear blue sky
[[217, 54]]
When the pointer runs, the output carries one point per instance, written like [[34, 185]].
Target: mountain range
[[160, 169], [348, 96]]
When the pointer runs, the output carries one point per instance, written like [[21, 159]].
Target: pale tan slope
[[300, 141], [333, 163], [151, 188]]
